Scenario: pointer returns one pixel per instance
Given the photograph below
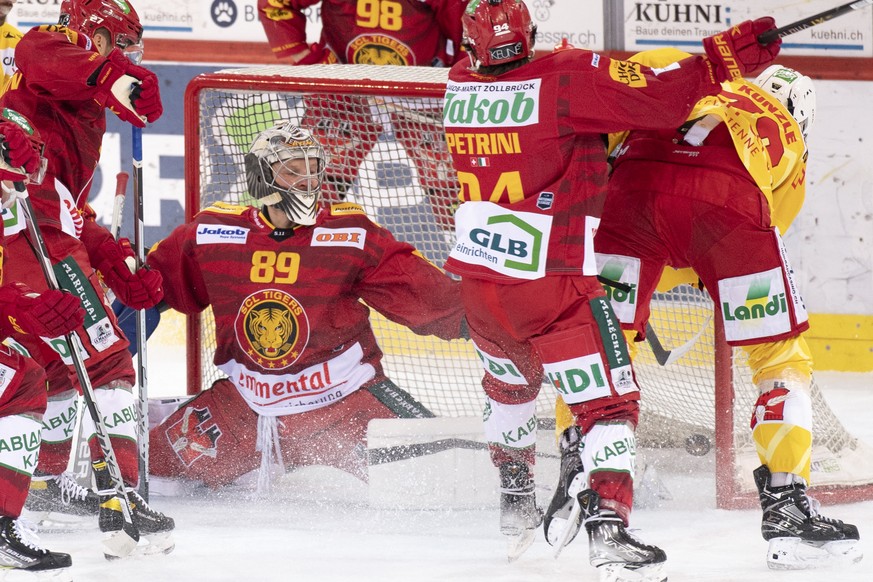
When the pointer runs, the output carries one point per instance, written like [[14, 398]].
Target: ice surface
[[317, 526]]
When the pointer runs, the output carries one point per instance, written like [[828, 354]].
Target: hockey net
[[381, 127]]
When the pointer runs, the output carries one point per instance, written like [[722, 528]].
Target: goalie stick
[[810, 21], [124, 541], [141, 335]]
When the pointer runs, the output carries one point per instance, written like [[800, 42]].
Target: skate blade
[[795, 554], [566, 534], [621, 573], [56, 522], [149, 545], [56, 575], [518, 544]]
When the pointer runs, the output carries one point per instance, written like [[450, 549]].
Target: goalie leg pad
[[211, 438]]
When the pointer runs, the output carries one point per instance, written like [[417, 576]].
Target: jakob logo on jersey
[[272, 329], [194, 435], [208, 234]]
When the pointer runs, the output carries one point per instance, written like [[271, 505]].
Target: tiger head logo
[[272, 329], [377, 49]]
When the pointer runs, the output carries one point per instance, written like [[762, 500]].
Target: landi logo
[[614, 270], [759, 303]]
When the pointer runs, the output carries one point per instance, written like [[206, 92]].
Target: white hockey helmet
[[794, 90], [298, 197]]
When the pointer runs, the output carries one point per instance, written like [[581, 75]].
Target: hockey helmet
[[118, 17], [274, 180], [497, 32], [794, 90]]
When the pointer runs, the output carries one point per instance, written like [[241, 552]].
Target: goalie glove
[[735, 53], [136, 288], [50, 314], [129, 91]]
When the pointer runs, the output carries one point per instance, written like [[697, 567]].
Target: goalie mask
[[497, 32], [794, 90], [117, 16], [285, 168]]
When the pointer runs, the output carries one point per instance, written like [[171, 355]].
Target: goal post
[[382, 130]]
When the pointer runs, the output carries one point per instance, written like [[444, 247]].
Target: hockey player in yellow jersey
[[711, 199], [9, 37]]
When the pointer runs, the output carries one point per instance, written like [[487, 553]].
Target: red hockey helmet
[[117, 16], [498, 31]]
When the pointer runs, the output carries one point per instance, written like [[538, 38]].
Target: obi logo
[[759, 303], [526, 249], [339, 237], [221, 234]]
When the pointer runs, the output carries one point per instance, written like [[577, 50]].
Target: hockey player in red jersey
[[424, 33], [526, 139], [22, 382], [288, 283], [714, 194], [68, 76]]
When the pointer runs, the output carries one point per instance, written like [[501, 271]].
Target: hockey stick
[[118, 203], [141, 337], [810, 21], [124, 541]]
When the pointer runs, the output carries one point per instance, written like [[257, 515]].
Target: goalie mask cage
[[381, 128]]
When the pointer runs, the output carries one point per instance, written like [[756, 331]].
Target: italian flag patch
[[479, 162]]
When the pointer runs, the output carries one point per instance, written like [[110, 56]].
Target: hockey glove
[[19, 151], [736, 52], [129, 91], [139, 289], [50, 314]]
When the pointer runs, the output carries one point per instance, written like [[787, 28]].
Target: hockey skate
[[20, 552], [519, 515], [58, 502], [155, 529], [800, 537], [618, 555], [563, 516]]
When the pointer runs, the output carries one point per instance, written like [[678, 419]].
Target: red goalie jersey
[[292, 332]]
